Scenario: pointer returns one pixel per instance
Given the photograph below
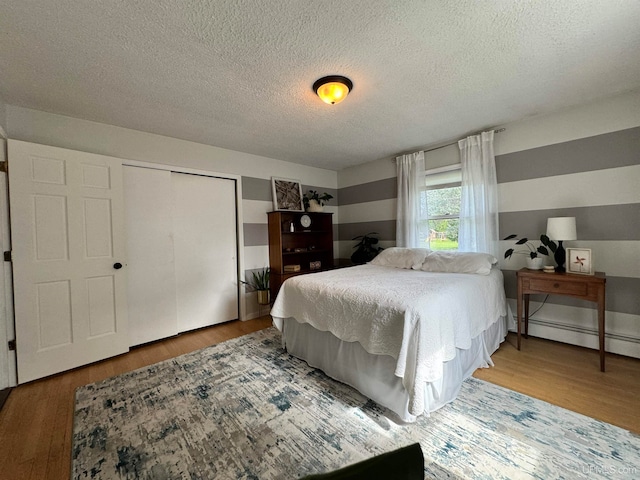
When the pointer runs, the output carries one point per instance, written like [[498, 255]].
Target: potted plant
[[314, 202], [260, 283], [366, 249], [534, 261]]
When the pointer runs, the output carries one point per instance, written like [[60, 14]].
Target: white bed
[[405, 338]]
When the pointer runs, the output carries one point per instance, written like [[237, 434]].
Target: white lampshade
[[562, 228]]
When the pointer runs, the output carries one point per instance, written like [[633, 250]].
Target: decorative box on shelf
[[315, 265], [292, 268]]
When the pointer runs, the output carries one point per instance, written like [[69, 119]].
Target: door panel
[[151, 270], [53, 312], [50, 227], [205, 245], [97, 226], [67, 231], [102, 313]]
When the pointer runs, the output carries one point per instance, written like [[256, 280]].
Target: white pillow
[[459, 262], [399, 257]]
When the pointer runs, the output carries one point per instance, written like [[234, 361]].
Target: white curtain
[[409, 169], [479, 202]]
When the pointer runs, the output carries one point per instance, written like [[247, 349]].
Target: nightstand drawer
[[558, 286]]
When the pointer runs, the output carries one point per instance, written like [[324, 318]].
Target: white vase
[[314, 206], [534, 263]]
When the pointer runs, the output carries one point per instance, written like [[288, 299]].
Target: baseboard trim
[[258, 314]]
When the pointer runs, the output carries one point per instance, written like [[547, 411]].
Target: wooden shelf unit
[[315, 244]]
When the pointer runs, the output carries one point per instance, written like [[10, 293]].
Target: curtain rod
[[498, 130]]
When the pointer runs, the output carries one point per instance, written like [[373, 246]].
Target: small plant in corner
[[366, 248], [531, 251], [316, 197], [260, 283], [259, 279]]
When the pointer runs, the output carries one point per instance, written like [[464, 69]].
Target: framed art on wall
[[287, 194], [579, 261]]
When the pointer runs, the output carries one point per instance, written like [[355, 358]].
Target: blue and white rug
[[245, 409]]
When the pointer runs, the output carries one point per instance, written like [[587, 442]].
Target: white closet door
[[151, 269], [204, 221], [67, 235]]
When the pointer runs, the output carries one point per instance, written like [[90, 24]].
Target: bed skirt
[[373, 375]]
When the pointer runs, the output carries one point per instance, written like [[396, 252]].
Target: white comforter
[[418, 318]]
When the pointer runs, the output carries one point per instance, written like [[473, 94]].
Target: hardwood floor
[[37, 420], [570, 377]]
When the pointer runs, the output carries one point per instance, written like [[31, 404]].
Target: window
[[440, 208]]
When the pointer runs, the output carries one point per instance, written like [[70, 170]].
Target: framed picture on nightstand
[[579, 261]]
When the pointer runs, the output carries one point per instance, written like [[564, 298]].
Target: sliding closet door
[[205, 246], [151, 269], [181, 244]]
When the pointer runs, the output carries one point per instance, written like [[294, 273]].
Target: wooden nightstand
[[584, 287]]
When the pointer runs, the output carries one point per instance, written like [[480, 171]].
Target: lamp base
[[560, 257]]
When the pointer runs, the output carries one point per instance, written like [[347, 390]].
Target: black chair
[[406, 463]]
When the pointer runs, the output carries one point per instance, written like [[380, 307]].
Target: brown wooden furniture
[[584, 287], [302, 246]]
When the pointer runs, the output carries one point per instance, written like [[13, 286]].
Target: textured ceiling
[[238, 73]]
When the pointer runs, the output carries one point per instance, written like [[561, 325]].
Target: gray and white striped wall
[[256, 202], [583, 162]]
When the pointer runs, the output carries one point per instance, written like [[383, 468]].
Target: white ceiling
[[238, 73]]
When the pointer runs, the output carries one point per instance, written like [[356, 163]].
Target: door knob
[[117, 266]]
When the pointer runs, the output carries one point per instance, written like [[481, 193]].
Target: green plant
[[366, 249], [259, 280], [313, 195], [531, 250]]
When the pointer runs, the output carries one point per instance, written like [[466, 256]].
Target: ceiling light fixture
[[333, 89]]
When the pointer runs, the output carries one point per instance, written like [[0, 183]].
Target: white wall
[[3, 119], [67, 132], [72, 133]]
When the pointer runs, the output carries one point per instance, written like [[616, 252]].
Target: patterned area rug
[[247, 409]]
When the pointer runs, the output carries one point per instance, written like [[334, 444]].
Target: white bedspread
[[418, 318]]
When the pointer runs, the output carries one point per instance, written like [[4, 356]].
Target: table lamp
[[561, 229]]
